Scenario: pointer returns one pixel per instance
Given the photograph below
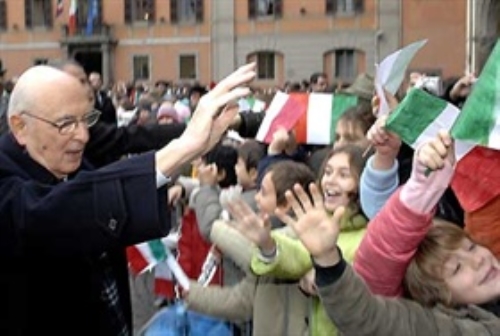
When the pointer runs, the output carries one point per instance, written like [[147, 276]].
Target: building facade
[[203, 40]]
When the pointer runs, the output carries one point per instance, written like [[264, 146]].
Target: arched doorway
[[90, 60]]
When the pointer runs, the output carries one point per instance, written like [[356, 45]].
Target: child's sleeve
[[397, 230], [376, 186], [292, 260], [232, 244], [233, 303], [208, 209]]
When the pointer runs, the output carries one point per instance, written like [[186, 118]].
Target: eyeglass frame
[[67, 121]]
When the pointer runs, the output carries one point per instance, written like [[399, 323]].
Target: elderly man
[[64, 226]]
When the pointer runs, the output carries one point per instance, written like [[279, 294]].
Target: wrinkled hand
[[313, 226], [462, 88], [384, 142], [216, 110], [307, 283], [174, 194], [256, 228], [436, 153], [207, 174]]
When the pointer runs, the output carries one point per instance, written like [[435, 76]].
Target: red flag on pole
[[72, 17], [59, 8]]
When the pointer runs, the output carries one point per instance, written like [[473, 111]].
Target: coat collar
[[28, 167]]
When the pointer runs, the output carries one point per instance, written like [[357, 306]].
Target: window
[[264, 8], [345, 64], [344, 7], [3, 15], [38, 13], [186, 11], [266, 65], [82, 15], [139, 11], [187, 67], [141, 67], [40, 61]]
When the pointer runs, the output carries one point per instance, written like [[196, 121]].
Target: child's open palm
[[256, 228], [314, 227]]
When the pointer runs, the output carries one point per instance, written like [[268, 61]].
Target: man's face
[[61, 154], [95, 81], [321, 85]]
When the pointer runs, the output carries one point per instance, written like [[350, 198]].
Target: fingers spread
[[294, 203], [316, 194], [302, 196], [241, 76]]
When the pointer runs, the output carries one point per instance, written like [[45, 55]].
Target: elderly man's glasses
[[69, 124]]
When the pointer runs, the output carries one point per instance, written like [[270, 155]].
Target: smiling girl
[[339, 182]]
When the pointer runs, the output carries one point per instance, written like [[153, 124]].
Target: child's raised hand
[[256, 228], [436, 153], [384, 142], [314, 227], [174, 194], [207, 174], [391, 101], [279, 142]]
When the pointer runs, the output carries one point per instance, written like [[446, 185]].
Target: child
[[249, 155], [216, 172], [339, 182], [351, 128], [276, 307], [448, 273]]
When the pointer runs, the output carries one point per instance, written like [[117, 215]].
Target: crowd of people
[[350, 238]]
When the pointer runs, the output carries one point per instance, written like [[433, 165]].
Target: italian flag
[[312, 116], [143, 257], [479, 122], [284, 111], [317, 125], [391, 71], [151, 254], [420, 116], [72, 17]]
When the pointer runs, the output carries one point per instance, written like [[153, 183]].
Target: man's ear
[[18, 128], [221, 175]]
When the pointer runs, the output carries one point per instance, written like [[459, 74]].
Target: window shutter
[[47, 7], [99, 12], [174, 18], [358, 6], [252, 9], [199, 10], [151, 11], [329, 6], [128, 11], [278, 8], [3, 15], [28, 12]]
